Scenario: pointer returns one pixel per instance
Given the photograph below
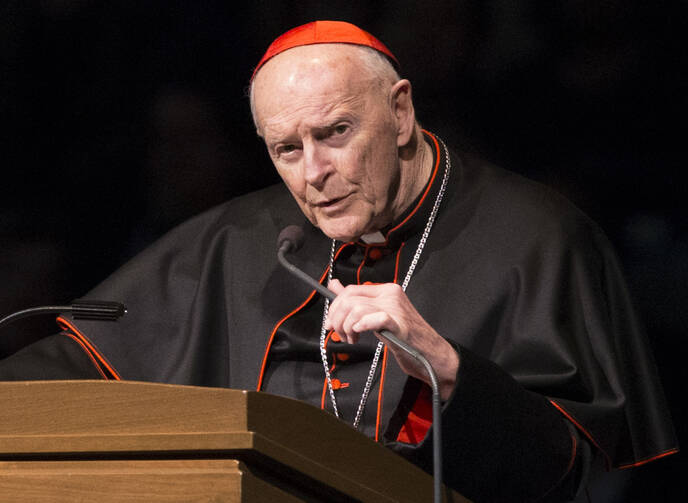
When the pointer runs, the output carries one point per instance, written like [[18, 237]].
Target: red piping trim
[[324, 394], [358, 271], [272, 336], [647, 460], [570, 417], [606, 456], [85, 349], [427, 189], [396, 262], [384, 358], [68, 326], [380, 394], [279, 323]]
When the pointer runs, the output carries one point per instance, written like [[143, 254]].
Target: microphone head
[[293, 235]]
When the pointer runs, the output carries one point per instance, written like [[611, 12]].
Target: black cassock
[[555, 372]]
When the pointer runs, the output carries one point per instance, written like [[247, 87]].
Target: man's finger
[[375, 322], [336, 286], [366, 290]]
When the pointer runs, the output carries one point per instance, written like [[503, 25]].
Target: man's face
[[330, 131]]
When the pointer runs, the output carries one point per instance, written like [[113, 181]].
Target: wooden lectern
[[103, 441]]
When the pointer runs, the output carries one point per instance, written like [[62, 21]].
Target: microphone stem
[[80, 309], [436, 410], [389, 336], [33, 311], [325, 292]]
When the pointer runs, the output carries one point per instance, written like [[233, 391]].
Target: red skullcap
[[324, 32]]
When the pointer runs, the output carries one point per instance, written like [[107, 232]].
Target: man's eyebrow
[[337, 118], [273, 134], [341, 117]]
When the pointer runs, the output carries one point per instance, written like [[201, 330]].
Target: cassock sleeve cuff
[[500, 441]]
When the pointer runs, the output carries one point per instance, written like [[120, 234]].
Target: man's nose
[[317, 164]]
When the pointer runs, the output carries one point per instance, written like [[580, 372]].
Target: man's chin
[[345, 238], [341, 231]]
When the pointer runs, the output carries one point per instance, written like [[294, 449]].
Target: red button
[[337, 384], [336, 337], [375, 254]]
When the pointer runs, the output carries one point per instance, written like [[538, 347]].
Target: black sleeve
[[502, 442], [53, 358], [563, 383]]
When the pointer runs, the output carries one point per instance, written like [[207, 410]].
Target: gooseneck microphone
[[290, 239], [81, 309]]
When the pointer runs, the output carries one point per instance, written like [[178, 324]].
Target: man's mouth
[[329, 202], [332, 204]]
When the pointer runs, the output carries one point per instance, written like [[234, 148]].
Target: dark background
[[123, 118]]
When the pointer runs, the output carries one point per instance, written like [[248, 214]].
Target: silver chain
[[407, 279]]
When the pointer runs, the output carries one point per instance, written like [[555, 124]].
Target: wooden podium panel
[[127, 441], [135, 481]]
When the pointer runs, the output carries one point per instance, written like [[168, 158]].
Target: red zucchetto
[[324, 32]]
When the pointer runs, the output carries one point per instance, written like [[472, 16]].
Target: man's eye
[[341, 129], [285, 149]]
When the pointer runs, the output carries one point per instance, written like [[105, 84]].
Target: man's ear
[[402, 108]]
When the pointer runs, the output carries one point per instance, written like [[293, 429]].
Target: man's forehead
[[318, 78], [313, 112], [313, 61]]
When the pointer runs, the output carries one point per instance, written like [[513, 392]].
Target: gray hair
[[374, 62]]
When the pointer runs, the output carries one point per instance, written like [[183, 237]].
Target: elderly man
[[511, 293]]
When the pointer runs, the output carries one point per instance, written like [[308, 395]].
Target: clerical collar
[[374, 238], [413, 220]]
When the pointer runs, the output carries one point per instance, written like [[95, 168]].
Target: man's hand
[[360, 308]]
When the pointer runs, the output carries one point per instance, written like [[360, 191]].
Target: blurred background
[[124, 118]]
